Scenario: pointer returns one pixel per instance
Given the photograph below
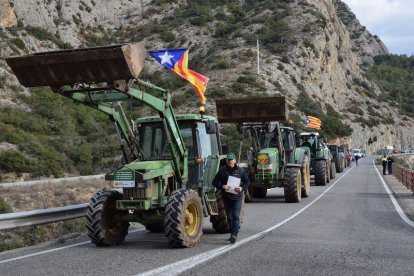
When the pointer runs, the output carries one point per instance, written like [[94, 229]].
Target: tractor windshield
[[332, 149], [154, 142], [267, 140], [308, 141]]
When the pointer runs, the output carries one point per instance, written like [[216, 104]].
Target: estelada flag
[[177, 61], [313, 122]]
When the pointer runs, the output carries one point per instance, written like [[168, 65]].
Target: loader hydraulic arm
[[109, 101]]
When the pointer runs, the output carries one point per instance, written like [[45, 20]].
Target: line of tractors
[[170, 159]]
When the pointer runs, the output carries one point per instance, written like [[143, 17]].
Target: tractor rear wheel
[[183, 218], [293, 185], [101, 209], [219, 221], [320, 173], [305, 173]]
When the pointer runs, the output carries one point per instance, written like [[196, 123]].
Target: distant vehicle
[[357, 152]]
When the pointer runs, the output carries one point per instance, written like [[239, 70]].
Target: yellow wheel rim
[[191, 219]]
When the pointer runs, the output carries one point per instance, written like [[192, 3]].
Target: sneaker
[[233, 239]]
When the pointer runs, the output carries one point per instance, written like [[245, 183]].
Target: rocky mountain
[[316, 53]]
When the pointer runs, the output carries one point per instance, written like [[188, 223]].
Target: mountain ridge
[[312, 50]]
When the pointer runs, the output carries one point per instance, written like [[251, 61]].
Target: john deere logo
[[262, 158]]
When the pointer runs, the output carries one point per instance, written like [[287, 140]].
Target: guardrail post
[[412, 182]]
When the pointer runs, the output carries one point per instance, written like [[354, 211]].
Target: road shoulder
[[404, 196]]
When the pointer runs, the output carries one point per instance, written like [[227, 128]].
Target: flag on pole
[[177, 61], [313, 122]]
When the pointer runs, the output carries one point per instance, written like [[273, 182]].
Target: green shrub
[[18, 42], [4, 207], [14, 161]]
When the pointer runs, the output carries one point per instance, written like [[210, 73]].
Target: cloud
[[391, 20]]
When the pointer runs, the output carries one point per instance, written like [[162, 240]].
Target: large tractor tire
[[305, 174], [183, 218], [320, 173], [219, 222], [101, 209], [293, 185], [338, 166], [332, 171], [259, 192]]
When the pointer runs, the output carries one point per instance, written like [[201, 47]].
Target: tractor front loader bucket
[[249, 110], [89, 65]]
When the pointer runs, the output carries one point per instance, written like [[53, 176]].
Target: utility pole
[[258, 58]]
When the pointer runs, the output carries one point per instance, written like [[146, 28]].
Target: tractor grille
[[135, 193]]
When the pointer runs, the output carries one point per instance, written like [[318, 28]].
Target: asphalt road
[[348, 227]]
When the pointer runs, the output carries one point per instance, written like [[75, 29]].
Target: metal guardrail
[[44, 216], [405, 176]]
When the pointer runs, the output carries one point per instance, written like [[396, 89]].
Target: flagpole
[[258, 58]]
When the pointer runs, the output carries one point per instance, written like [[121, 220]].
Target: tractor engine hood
[[142, 170]]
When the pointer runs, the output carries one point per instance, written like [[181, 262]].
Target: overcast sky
[[391, 20]]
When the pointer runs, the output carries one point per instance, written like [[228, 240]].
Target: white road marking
[[189, 263], [51, 250], [42, 252], [393, 200]]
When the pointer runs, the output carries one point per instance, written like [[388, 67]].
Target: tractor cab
[[200, 137], [314, 142]]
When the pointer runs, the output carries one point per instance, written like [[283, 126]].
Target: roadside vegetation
[[394, 74], [56, 138]]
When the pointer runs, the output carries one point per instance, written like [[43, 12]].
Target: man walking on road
[[356, 159], [390, 160], [384, 164], [232, 197]]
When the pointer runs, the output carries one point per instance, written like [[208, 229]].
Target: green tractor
[[169, 160], [273, 159], [338, 157], [322, 166]]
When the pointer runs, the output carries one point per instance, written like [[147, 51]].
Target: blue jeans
[[233, 214]]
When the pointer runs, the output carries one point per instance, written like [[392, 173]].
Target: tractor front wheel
[[332, 173], [219, 221], [293, 185], [305, 173], [248, 196], [101, 209], [320, 173], [183, 218]]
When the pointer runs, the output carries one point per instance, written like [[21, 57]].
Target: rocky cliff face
[[325, 60]]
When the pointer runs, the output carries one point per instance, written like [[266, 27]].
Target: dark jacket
[[222, 176], [390, 160]]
